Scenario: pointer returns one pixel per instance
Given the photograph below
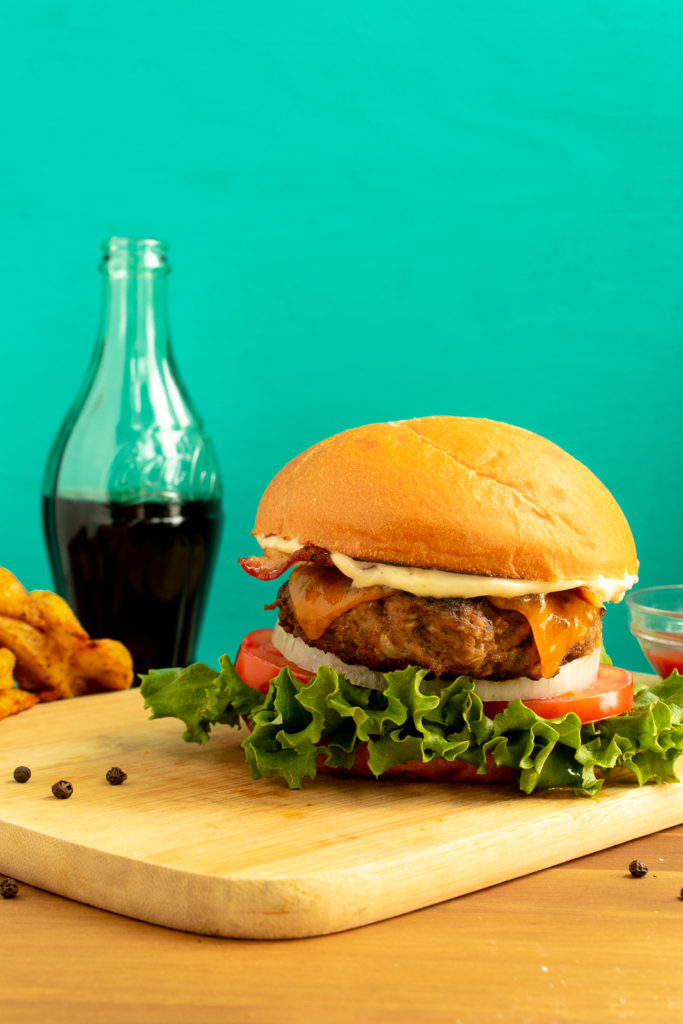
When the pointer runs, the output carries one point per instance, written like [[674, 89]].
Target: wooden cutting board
[[189, 841]]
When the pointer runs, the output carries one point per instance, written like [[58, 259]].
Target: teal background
[[376, 211]]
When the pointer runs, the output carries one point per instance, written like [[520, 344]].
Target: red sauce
[[664, 660]]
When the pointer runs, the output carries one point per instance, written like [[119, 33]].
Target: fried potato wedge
[[16, 602], [42, 663], [7, 662], [100, 665], [15, 700], [47, 651], [57, 616]]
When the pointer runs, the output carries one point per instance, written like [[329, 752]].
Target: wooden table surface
[[582, 942]]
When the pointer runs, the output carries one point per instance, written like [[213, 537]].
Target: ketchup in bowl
[[656, 621]]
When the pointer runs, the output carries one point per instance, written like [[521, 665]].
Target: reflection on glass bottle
[[132, 491]]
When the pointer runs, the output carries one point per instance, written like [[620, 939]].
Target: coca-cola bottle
[[132, 490]]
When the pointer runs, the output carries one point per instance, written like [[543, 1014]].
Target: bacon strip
[[273, 563]]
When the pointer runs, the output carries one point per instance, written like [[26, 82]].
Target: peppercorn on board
[[189, 841]]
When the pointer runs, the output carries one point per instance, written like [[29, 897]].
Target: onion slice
[[573, 677], [312, 658]]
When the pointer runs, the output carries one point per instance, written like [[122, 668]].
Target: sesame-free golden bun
[[456, 493]]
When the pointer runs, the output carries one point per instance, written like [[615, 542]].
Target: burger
[[442, 618]]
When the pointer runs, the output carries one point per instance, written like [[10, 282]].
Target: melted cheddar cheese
[[557, 621], [320, 594]]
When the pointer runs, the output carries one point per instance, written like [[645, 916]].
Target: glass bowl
[[656, 621]]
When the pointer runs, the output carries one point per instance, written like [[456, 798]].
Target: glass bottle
[[132, 490]]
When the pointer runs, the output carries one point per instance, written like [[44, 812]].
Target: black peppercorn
[[8, 889], [115, 776], [22, 773], [62, 789], [637, 869]]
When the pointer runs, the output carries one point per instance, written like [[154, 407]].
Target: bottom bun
[[436, 770]]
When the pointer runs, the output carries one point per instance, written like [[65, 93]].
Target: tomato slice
[[611, 694], [258, 661]]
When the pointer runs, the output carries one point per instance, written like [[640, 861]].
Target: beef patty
[[450, 636]]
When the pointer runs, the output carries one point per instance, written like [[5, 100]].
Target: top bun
[[447, 492]]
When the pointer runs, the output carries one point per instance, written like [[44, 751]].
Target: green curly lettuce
[[417, 718]]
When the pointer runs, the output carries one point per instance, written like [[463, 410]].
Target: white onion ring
[[311, 658], [573, 677]]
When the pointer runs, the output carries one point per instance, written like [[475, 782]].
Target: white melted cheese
[[438, 583]]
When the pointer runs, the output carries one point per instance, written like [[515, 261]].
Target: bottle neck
[[133, 381], [134, 320], [132, 409]]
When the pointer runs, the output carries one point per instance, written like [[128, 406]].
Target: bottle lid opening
[[123, 253]]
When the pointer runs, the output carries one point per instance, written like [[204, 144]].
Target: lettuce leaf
[[200, 697], [416, 718]]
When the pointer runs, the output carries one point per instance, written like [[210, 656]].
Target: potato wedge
[[16, 602], [100, 665], [57, 616], [41, 661], [15, 700], [47, 651], [7, 662]]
